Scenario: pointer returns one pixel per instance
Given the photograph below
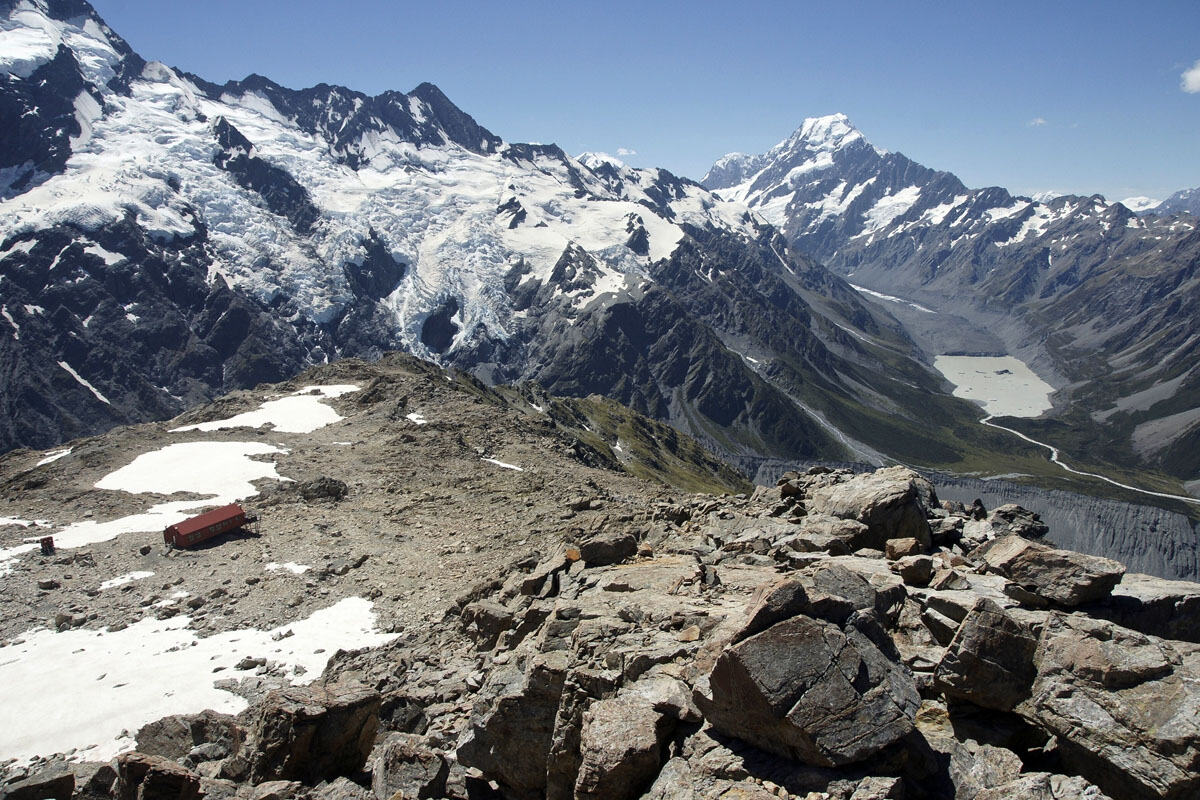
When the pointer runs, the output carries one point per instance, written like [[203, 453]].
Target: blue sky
[[1063, 95]]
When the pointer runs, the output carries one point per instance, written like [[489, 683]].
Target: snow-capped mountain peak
[[1141, 204], [831, 132], [594, 161]]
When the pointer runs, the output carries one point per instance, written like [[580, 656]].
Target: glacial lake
[[1005, 386]]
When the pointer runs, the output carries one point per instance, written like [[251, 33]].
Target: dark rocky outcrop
[[312, 733]]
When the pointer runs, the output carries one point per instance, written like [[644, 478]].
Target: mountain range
[[164, 239], [1102, 302]]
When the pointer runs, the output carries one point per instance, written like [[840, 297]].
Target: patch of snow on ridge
[[107, 256], [301, 412], [838, 201], [937, 215], [997, 214], [84, 383], [504, 465], [83, 689], [290, 566], [55, 456], [1035, 226], [129, 577], [891, 299]]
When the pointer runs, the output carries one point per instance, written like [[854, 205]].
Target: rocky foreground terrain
[[550, 625]]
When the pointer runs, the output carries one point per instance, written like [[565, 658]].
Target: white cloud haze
[[1189, 81], [1037, 122], [625, 151]]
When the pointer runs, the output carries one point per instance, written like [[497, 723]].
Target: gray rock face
[[989, 662], [805, 690], [893, 503], [313, 733], [58, 784], [621, 744], [406, 765], [1170, 609], [1143, 538], [1059, 576], [511, 739], [143, 777], [1122, 706]]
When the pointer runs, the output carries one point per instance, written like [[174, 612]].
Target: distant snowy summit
[[1186, 201], [1141, 204]]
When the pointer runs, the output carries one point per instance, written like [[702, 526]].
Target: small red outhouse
[[205, 526]]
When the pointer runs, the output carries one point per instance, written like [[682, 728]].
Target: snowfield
[[302, 412], [91, 690], [434, 207]]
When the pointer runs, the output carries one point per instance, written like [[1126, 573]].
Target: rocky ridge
[[834, 636]]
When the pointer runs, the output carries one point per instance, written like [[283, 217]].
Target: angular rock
[[509, 739], [278, 790], [175, 737], [143, 777], [989, 662], [914, 570], [894, 503], [1155, 606], [340, 789], [485, 620], [852, 533], [1059, 576], [409, 766], [93, 780], [901, 548], [1044, 786], [313, 733], [1122, 705], [609, 547], [621, 745], [1011, 518], [805, 690], [55, 783]]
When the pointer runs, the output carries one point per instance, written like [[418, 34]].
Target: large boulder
[[621, 746], [893, 503], [806, 690], [1122, 705], [58, 784], [409, 766], [1155, 606], [206, 736], [313, 733], [509, 737], [1058, 576], [143, 777], [989, 662], [1044, 786]]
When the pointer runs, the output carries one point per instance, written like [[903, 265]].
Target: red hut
[[205, 526]]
